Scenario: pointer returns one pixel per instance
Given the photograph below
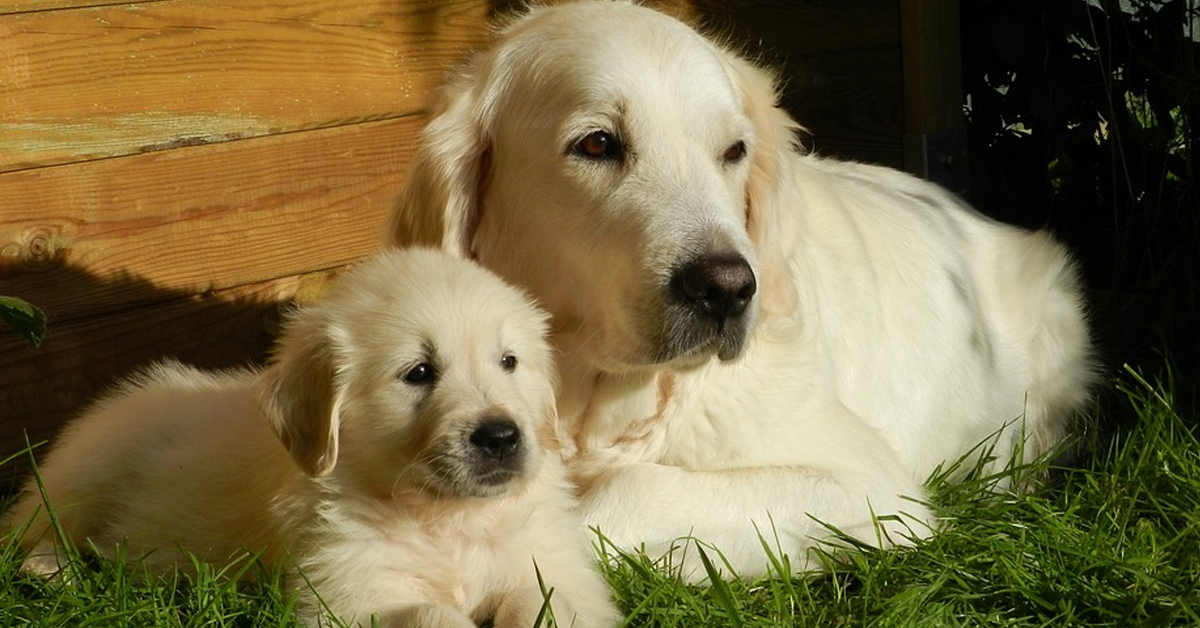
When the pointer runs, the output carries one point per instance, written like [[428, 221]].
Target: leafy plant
[[1084, 116], [25, 318]]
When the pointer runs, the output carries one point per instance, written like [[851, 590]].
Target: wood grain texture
[[839, 63], [198, 219], [31, 6], [932, 65], [851, 104], [115, 80], [797, 27]]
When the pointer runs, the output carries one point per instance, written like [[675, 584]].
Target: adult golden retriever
[[397, 458], [752, 340]]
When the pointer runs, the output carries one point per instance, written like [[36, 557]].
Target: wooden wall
[[171, 171], [841, 65]]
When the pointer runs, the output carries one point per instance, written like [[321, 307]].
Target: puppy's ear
[[770, 222], [301, 399], [440, 203]]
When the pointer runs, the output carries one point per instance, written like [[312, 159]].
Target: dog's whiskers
[[432, 462]]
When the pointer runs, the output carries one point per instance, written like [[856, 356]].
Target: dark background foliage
[[1082, 116]]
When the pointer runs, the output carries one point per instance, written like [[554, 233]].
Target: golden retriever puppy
[[398, 454], [752, 340]]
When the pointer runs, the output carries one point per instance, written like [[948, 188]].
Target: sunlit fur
[[331, 463], [894, 327]]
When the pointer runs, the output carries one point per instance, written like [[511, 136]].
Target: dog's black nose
[[497, 438], [717, 287]]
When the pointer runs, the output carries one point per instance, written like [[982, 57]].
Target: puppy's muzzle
[[497, 450]]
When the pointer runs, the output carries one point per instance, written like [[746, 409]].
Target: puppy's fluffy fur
[[753, 340], [399, 452]]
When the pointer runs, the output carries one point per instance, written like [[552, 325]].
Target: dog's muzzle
[[482, 460], [497, 451], [716, 288], [709, 300]]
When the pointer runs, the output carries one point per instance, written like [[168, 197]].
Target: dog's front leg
[[521, 607], [658, 508], [431, 615]]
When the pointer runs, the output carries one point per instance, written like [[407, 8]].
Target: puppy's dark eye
[[509, 362], [735, 153], [422, 374], [600, 146]]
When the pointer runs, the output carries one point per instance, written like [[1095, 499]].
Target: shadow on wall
[[82, 358]]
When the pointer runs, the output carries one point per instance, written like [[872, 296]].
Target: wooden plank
[[30, 6], [796, 26], [935, 139], [932, 65], [850, 103], [800, 27], [198, 219], [115, 80], [81, 359], [840, 66]]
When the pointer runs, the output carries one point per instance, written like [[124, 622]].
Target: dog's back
[[971, 328], [121, 471]]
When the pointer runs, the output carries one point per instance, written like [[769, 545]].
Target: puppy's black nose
[[717, 287], [497, 438]]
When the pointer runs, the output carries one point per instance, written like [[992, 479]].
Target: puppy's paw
[[570, 607], [45, 560]]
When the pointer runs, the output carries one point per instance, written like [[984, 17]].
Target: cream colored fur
[[893, 328], [332, 465]]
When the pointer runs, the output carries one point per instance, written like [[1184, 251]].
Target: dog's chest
[[471, 572], [467, 562]]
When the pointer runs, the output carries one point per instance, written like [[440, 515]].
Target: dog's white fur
[[893, 329], [332, 462]]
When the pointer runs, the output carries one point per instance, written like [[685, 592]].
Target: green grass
[[1114, 541]]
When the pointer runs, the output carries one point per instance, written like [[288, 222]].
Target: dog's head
[[418, 372], [624, 169]]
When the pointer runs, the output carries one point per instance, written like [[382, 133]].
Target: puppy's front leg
[[520, 608], [430, 615]]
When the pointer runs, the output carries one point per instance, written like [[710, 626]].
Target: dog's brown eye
[[421, 374], [600, 145], [509, 363], [734, 153]]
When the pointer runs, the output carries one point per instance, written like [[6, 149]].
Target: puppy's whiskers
[[433, 470], [404, 477]]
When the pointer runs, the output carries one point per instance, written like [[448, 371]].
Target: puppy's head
[[625, 170], [417, 373]]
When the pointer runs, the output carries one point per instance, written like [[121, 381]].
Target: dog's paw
[[43, 565], [45, 561]]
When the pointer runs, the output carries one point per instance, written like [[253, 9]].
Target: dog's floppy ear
[[301, 398], [771, 223], [440, 203]]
